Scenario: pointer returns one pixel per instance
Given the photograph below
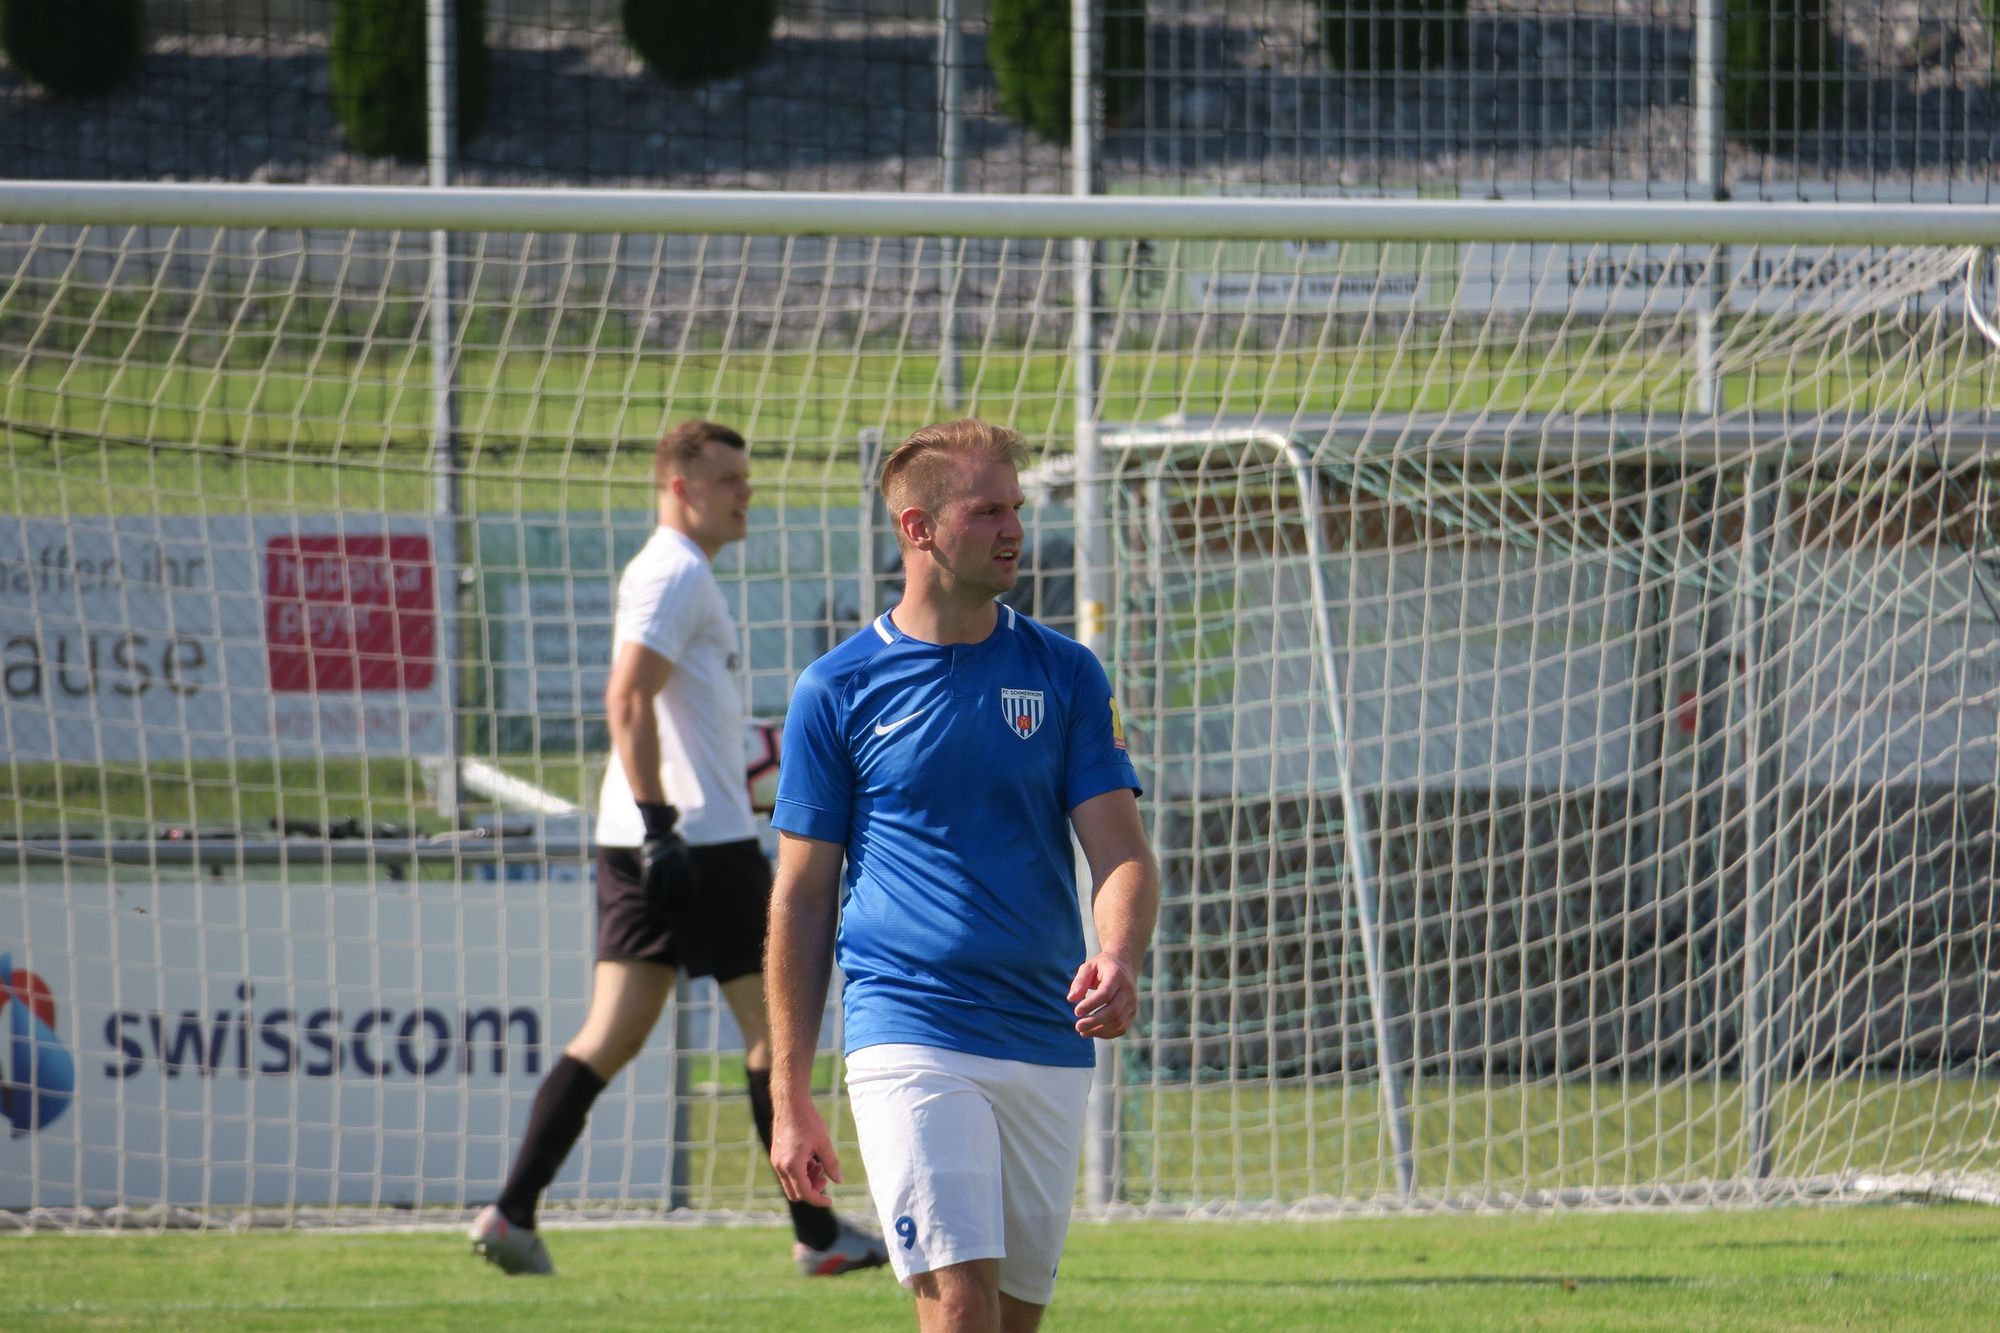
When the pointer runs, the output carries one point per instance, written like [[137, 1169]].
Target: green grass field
[[1877, 1267], [128, 800], [1256, 1141], [96, 434]]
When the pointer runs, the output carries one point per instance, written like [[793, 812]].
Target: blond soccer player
[[943, 755]]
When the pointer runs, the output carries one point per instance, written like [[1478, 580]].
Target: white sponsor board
[[1665, 280], [1485, 667], [1301, 276], [1459, 668], [241, 1042], [1891, 671], [1674, 281], [168, 638], [1377, 277], [1390, 275], [551, 589], [556, 652], [218, 1041]]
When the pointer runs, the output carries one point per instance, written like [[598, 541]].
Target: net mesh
[[1564, 677]]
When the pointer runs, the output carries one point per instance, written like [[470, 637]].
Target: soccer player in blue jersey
[[945, 752]]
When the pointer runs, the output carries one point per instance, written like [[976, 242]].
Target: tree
[[694, 41], [1028, 48], [1780, 55], [1391, 36], [381, 77], [74, 48]]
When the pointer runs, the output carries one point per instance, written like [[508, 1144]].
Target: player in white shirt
[[681, 881], [944, 754]]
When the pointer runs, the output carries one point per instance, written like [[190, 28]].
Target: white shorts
[[970, 1158]]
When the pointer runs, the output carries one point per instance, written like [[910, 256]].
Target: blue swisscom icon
[[37, 1075]]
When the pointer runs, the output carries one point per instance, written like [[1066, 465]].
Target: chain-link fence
[[1871, 99]]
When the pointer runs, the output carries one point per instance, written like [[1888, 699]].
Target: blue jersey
[[948, 772]]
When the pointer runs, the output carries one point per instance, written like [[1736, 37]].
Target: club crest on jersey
[[1023, 709]]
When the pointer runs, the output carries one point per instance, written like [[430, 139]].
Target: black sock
[[562, 1105], [813, 1225]]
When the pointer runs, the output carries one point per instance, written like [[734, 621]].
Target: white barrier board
[[201, 1041], [171, 638]]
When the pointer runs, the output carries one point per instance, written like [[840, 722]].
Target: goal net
[[1565, 672]]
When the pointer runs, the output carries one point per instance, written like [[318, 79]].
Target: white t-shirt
[[669, 601]]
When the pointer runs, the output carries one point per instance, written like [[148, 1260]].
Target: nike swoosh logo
[[884, 728]]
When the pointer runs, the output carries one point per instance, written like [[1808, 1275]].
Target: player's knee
[[958, 1298], [608, 1053], [970, 1310], [1019, 1316]]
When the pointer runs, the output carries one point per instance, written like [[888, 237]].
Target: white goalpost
[[1586, 861], [1568, 793]]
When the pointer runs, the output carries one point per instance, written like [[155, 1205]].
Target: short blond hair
[[683, 444], [918, 472]]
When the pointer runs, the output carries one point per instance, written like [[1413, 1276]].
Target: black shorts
[[718, 932]]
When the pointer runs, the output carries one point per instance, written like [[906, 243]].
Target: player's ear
[[916, 526]]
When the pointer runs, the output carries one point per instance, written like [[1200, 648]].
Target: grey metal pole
[[442, 131], [1093, 569], [1711, 173], [1093, 532], [1360, 839], [871, 463], [1762, 500], [1653, 709], [868, 603], [680, 1145], [951, 143]]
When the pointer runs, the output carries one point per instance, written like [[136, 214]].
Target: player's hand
[[667, 871], [1106, 996], [802, 1154], [666, 867]]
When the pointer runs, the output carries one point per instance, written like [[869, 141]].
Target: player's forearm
[[1125, 907], [797, 966], [635, 735]]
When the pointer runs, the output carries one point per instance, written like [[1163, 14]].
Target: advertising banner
[[1309, 277], [168, 638], [207, 1041]]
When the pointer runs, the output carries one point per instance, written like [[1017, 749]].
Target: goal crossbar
[[772, 213]]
